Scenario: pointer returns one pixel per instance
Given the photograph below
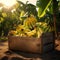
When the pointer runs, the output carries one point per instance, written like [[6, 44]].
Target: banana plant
[[27, 7], [43, 6]]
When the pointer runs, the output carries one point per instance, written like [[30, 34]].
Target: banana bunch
[[39, 32], [43, 26], [30, 22], [31, 33], [31, 28]]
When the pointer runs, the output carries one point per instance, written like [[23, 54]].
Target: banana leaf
[[42, 6]]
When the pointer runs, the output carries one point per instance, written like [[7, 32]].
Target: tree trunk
[[55, 11]]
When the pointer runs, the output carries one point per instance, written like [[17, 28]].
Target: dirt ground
[[6, 54]]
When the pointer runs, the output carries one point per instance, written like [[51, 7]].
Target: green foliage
[[42, 6], [8, 21], [4, 14], [31, 9]]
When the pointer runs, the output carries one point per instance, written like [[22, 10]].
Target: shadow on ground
[[53, 55]]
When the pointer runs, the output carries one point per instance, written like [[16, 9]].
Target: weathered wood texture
[[30, 44]]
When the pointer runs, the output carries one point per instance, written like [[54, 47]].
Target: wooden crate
[[30, 44]]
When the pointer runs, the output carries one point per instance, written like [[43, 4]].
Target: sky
[[30, 1], [12, 2]]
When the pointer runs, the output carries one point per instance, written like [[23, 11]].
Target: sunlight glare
[[0, 8], [8, 3]]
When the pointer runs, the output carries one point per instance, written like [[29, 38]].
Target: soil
[[6, 54]]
